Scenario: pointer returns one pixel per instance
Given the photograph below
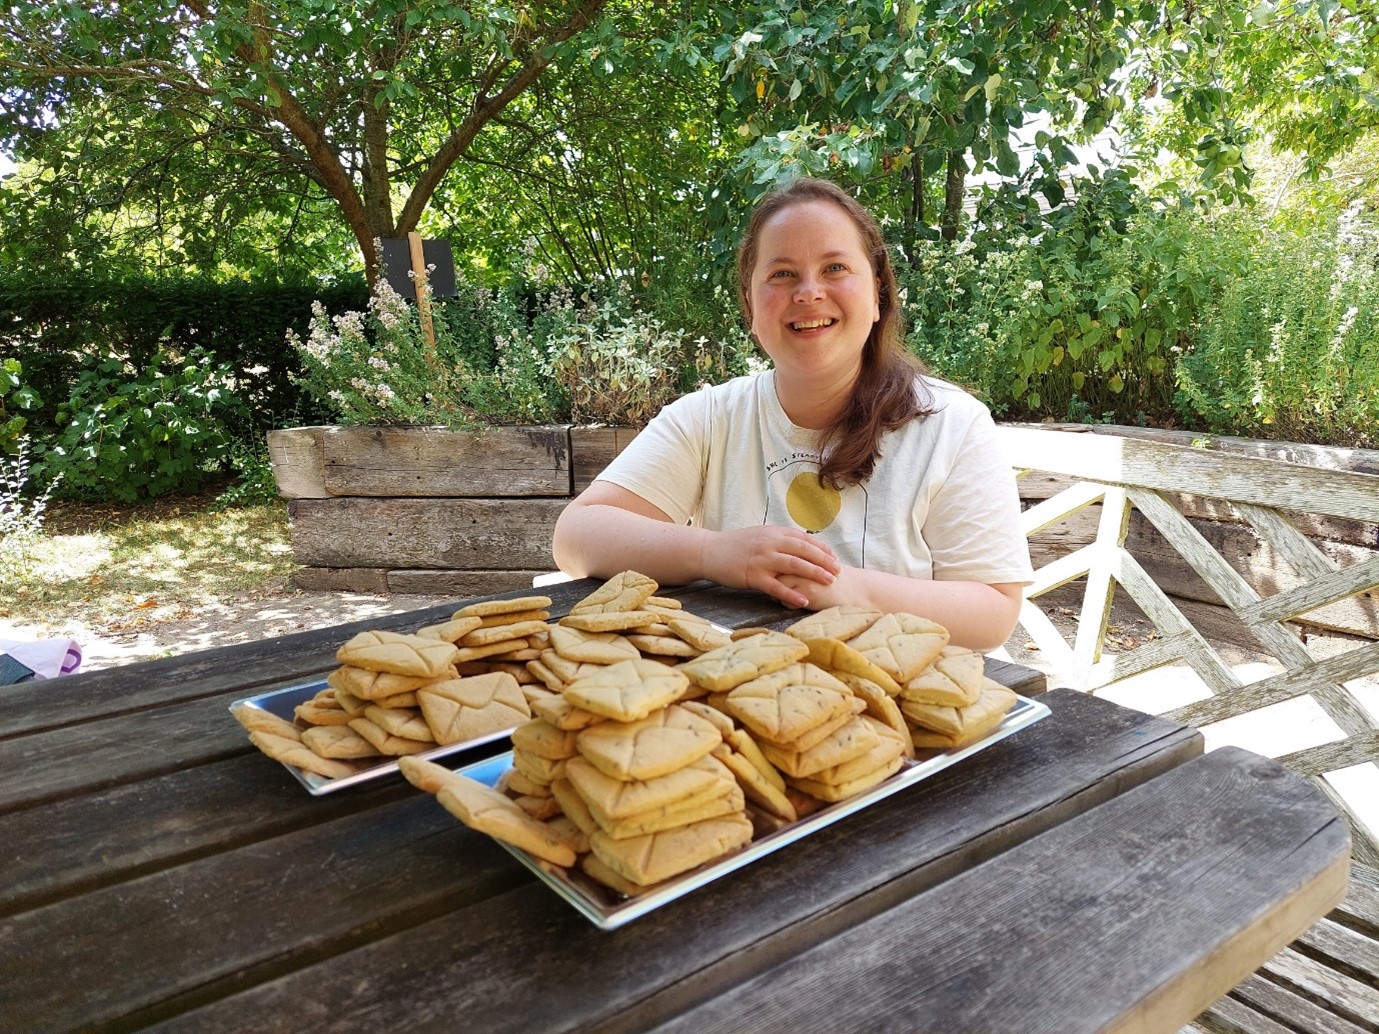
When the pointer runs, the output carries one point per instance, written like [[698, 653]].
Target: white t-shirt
[[941, 502]]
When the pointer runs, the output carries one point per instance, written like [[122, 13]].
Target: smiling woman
[[844, 475]]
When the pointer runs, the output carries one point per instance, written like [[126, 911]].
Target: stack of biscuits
[[659, 743], [396, 695], [935, 694]]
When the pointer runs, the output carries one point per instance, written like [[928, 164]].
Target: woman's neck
[[812, 402]]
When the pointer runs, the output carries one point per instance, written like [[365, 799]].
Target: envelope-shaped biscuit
[[784, 705], [665, 740], [488, 608], [380, 650], [627, 691], [609, 620], [573, 805], [564, 830], [386, 742], [451, 631], [683, 814], [889, 746], [256, 719], [720, 721], [852, 739], [490, 634], [933, 687], [699, 633], [398, 721], [458, 710], [816, 735], [663, 645], [616, 799], [741, 741], [598, 871], [760, 790], [426, 775], [485, 809], [542, 770], [842, 791], [901, 645], [543, 739], [514, 781], [742, 660], [841, 622], [338, 741], [563, 714], [839, 659], [655, 857], [975, 721], [583, 647], [295, 752], [513, 618], [627, 590], [377, 685], [321, 711], [881, 706]]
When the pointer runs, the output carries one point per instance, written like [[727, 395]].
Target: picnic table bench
[[1154, 507], [1093, 871]]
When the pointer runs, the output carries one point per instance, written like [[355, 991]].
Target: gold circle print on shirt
[[812, 506]]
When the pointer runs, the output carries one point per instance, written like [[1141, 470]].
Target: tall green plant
[[1292, 350]]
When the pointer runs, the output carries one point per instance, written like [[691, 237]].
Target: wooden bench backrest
[[1125, 474]]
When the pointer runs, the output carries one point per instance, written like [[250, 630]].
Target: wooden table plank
[[1136, 915], [516, 957]]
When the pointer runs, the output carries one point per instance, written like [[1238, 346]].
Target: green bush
[[1083, 318], [137, 434], [1292, 350], [14, 394]]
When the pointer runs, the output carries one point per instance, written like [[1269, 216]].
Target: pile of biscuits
[[646, 758], [396, 695]]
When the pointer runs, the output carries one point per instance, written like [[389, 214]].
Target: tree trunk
[[953, 188]]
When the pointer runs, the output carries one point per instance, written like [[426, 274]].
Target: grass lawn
[[113, 567]]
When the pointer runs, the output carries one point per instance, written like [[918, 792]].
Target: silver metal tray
[[281, 702], [608, 910]]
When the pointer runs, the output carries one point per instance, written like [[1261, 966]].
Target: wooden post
[[422, 282]]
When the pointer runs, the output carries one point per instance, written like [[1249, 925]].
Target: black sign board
[[397, 264]]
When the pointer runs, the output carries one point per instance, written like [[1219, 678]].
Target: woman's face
[[813, 295]]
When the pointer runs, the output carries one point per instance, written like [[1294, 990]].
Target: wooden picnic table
[[1093, 871]]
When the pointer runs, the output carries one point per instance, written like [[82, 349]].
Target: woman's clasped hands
[[786, 563]]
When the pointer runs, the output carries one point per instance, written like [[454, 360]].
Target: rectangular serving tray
[[608, 910], [281, 702]]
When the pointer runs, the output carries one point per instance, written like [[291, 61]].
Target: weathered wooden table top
[[1090, 872]]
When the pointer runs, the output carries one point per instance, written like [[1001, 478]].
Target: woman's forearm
[[593, 540], [977, 615]]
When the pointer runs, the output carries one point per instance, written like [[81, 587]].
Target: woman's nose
[[808, 287]]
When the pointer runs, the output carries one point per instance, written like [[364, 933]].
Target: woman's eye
[[836, 267], [781, 274]]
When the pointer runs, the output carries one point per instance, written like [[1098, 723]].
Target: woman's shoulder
[[735, 391], [950, 399]]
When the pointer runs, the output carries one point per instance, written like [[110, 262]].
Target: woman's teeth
[[811, 324]]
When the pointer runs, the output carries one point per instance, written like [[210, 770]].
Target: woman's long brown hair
[[890, 391]]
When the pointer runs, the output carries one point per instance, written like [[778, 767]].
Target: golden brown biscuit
[[451, 631], [654, 857], [742, 660], [842, 791], [402, 722], [973, 722], [662, 645], [488, 608], [741, 741], [881, 707], [616, 799], [839, 659], [545, 740], [563, 714], [256, 719], [459, 710], [730, 801], [841, 622], [627, 691], [591, 647], [889, 746], [380, 650], [785, 705], [338, 741], [572, 804], [321, 711], [853, 739], [485, 809], [501, 633], [756, 786], [902, 645], [608, 620], [665, 740], [514, 617], [625, 591], [296, 753], [377, 685], [385, 742]]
